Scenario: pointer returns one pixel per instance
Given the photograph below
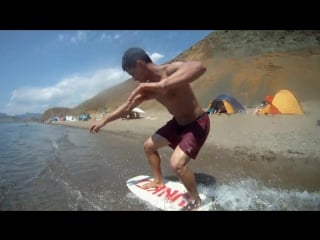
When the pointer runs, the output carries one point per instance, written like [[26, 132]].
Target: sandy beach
[[284, 146]]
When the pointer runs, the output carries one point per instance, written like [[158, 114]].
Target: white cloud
[[155, 57], [110, 37], [105, 36], [61, 37], [79, 36], [69, 92]]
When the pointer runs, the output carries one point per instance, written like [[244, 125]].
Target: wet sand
[[282, 149]]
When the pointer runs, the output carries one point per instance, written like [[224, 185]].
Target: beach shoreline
[[285, 146]]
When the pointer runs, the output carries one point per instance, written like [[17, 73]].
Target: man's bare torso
[[180, 102]]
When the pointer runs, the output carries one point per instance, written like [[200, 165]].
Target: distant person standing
[[262, 105], [220, 108], [210, 109], [189, 127]]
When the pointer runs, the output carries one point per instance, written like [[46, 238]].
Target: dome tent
[[283, 102], [226, 104]]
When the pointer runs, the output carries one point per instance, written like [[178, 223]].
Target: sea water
[[53, 167]]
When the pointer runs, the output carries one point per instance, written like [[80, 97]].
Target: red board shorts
[[190, 137]]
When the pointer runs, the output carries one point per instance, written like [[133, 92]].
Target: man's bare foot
[[152, 185], [192, 205]]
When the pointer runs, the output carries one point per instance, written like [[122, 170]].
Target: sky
[[40, 69]]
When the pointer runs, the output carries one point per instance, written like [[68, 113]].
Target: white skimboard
[[172, 197]]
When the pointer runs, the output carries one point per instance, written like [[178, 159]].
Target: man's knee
[[179, 170], [178, 167], [148, 145], [175, 167]]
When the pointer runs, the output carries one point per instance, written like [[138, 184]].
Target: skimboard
[[172, 197]]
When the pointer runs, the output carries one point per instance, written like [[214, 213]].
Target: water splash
[[252, 195]]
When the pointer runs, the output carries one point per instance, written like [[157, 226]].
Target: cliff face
[[245, 64], [252, 64]]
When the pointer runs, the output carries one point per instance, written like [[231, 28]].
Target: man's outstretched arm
[[116, 114], [120, 112]]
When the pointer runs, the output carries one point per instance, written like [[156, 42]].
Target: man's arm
[[120, 112], [181, 73], [178, 73], [116, 114]]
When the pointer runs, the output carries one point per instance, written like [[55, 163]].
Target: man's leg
[[179, 162], [151, 147]]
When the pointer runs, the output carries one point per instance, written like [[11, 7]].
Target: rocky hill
[[21, 117], [245, 64]]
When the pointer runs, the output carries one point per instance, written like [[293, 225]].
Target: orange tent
[[283, 102]]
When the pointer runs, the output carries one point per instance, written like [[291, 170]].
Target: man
[[185, 133]]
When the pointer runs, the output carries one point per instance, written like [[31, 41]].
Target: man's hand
[[95, 129], [145, 91]]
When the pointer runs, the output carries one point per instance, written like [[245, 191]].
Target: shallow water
[[51, 167]]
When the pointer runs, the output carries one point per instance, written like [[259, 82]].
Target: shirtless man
[[185, 133]]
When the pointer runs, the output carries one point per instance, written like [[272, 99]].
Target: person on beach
[[261, 106], [189, 127]]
